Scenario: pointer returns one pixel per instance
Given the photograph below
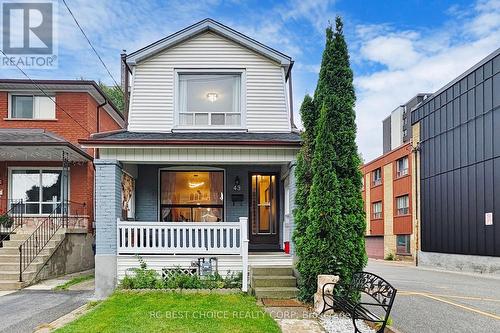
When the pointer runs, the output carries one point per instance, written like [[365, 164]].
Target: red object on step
[[287, 247]]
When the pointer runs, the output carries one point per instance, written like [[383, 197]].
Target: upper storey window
[[209, 100], [32, 107]]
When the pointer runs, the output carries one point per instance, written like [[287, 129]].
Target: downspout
[[416, 150], [290, 97]]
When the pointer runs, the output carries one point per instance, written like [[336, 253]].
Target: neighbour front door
[[263, 222]]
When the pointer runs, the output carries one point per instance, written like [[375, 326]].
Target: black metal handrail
[[11, 220], [36, 242]]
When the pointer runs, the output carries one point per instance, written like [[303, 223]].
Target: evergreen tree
[[332, 241], [303, 167]]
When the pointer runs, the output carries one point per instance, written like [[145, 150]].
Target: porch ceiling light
[[212, 97], [195, 185]]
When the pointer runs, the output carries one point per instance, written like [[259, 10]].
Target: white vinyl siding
[[153, 97]]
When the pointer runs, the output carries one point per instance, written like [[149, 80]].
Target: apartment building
[[387, 194]]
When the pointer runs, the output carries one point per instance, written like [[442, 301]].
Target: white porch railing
[[200, 238]]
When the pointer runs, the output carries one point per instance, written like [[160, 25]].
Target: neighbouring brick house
[[35, 132], [387, 193]]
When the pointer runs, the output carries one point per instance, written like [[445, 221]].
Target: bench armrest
[[382, 320], [326, 284]]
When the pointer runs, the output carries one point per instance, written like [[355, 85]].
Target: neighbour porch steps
[[9, 259], [273, 282]]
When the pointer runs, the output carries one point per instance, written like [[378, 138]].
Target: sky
[[397, 48]]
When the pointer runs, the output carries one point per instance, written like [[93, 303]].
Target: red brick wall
[[79, 124], [400, 186]]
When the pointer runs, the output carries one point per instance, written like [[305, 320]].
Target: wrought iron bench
[[380, 292]]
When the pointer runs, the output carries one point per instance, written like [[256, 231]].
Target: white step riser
[[14, 251], [16, 243], [10, 285]]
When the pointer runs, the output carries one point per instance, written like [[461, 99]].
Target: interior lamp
[[212, 97]]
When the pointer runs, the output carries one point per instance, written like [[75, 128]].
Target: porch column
[[292, 184], [108, 175]]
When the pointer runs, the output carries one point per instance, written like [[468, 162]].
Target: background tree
[[115, 95], [332, 236]]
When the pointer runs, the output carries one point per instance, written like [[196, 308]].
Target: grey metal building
[[459, 161]]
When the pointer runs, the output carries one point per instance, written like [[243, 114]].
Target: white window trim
[[243, 98], [31, 94], [29, 168]]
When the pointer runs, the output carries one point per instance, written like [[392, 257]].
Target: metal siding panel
[[456, 112], [495, 228], [471, 142], [480, 180], [496, 88], [488, 135], [489, 205], [471, 112], [488, 95], [456, 209], [472, 231], [479, 123], [464, 209], [496, 132], [479, 98]]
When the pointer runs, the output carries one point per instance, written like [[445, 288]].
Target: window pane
[[209, 93], [26, 185], [49, 208], [201, 119], [207, 214], [218, 119], [51, 186], [32, 208], [46, 108], [22, 106], [176, 214], [192, 187], [185, 119], [233, 119]]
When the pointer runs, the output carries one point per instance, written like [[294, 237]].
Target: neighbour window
[[209, 100], [402, 205], [40, 190], [402, 167], [377, 177], [192, 196], [403, 244], [377, 210], [32, 107]]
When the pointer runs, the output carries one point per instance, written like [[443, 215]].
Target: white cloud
[[410, 62]]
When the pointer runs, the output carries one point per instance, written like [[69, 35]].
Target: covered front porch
[[175, 206]]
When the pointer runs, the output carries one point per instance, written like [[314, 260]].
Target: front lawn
[[158, 311]]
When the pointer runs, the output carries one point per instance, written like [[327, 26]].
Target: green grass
[[74, 281], [157, 311]]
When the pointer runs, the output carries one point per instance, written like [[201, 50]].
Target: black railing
[[36, 242], [11, 220]]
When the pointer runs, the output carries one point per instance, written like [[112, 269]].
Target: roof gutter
[[50, 144], [95, 142]]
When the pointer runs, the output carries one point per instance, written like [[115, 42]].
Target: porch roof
[[37, 145], [194, 138]]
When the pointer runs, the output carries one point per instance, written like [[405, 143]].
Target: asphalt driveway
[[439, 301], [24, 310]]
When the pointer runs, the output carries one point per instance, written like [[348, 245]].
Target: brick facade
[[389, 224], [77, 121]]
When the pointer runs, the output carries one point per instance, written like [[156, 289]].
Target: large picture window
[[40, 190], [192, 196], [209, 100]]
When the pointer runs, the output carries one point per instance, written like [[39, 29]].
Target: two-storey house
[[205, 168], [45, 174]]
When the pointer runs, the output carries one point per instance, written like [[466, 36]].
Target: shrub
[[144, 278]]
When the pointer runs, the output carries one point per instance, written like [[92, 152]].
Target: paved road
[[430, 301], [24, 310]]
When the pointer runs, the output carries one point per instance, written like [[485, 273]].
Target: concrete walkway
[[295, 319], [25, 310]]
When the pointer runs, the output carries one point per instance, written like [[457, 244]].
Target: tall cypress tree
[[303, 169], [332, 241]]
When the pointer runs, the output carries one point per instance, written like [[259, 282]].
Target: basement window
[[403, 244]]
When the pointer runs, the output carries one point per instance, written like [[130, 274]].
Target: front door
[[263, 221]]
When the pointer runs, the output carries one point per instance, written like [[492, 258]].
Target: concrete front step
[[274, 281], [16, 243], [14, 275], [48, 249], [275, 292], [272, 271], [10, 285], [14, 266]]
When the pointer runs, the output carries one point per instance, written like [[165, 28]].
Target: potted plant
[[6, 221]]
